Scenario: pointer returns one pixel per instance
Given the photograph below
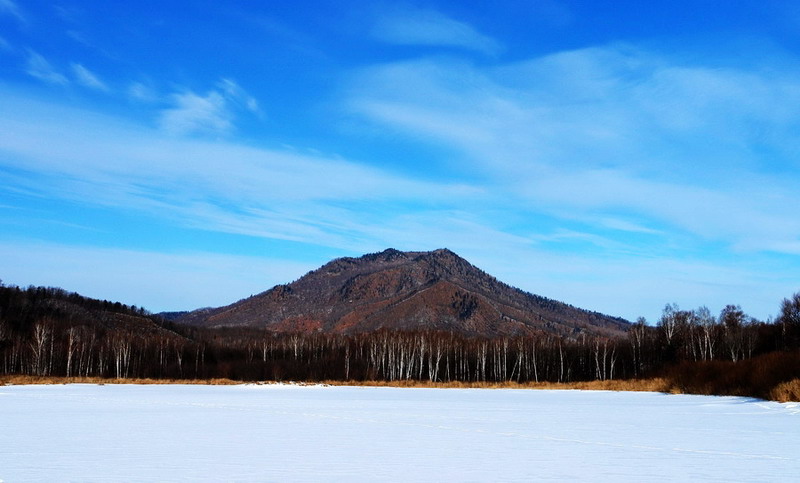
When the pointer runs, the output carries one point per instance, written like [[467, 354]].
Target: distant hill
[[396, 290], [22, 308], [170, 316]]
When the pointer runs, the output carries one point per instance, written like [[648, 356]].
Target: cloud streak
[[87, 78], [212, 113], [8, 7], [215, 185], [192, 113], [426, 27], [39, 68], [140, 92], [611, 132]]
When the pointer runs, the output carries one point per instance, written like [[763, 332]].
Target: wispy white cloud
[[79, 38], [39, 68], [235, 94], [214, 185], [4, 45], [604, 132], [426, 27], [87, 78], [721, 213], [626, 225], [97, 47], [8, 7], [197, 113], [213, 112], [140, 92]]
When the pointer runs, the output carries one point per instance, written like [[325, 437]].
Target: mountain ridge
[[396, 290]]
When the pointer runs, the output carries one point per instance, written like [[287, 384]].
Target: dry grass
[[656, 385], [786, 391], [25, 380], [653, 385]]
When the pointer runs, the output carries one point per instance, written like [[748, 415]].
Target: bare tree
[[707, 325], [668, 323], [72, 345], [42, 333], [789, 319], [636, 335], [732, 318]]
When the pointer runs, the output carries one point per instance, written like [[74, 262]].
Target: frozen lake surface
[[313, 433]]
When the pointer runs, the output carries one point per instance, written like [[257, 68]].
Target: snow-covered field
[[313, 433]]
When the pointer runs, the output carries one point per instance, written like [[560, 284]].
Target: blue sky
[[615, 155]]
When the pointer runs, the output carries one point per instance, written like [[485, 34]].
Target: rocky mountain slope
[[397, 290]]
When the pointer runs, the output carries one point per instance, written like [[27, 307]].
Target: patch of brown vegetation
[[18, 380], [297, 324], [649, 385], [652, 385], [786, 391]]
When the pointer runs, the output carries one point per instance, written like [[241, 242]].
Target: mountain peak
[[444, 254], [391, 289], [388, 255]]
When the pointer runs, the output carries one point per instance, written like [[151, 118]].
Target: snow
[[313, 433]]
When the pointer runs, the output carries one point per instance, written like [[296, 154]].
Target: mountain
[[435, 290]]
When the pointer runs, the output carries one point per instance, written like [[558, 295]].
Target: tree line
[[51, 332]]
